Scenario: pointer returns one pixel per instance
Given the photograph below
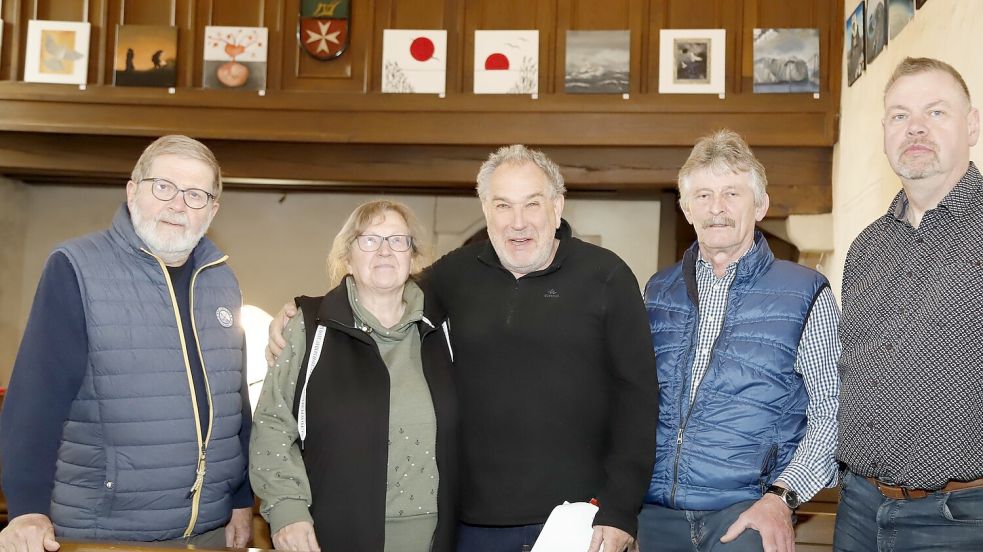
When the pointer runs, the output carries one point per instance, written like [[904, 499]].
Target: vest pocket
[[109, 483], [768, 465]]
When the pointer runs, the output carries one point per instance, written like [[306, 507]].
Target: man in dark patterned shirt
[[911, 405]]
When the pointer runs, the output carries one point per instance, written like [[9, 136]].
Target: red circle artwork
[[496, 62], [421, 48]]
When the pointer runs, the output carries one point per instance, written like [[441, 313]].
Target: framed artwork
[[692, 61], [57, 51], [876, 28], [786, 61], [414, 61], [597, 62], [506, 62], [235, 57], [899, 13], [853, 43], [146, 55]]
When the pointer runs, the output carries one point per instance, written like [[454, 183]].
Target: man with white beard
[[128, 386]]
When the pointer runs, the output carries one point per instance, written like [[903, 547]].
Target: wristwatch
[[788, 496]]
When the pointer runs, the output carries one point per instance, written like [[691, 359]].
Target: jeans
[[479, 538], [662, 529], [867, 521]]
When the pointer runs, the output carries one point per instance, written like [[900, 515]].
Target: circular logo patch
[[224, 316]]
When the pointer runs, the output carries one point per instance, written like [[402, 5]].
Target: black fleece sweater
[[556, 381]]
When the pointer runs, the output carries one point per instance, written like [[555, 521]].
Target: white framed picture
[[57, 52], [506, 62], [414, 61], [692, 61]]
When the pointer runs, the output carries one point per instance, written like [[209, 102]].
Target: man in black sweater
[[553, 364]]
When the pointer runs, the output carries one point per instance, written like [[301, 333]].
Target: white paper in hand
[[568, 528]]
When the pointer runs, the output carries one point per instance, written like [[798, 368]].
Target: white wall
[[863, 182]]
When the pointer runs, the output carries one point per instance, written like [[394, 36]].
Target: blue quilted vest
[[129, 453], [749, 412]]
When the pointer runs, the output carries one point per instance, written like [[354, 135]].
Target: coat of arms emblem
[[324, 27]]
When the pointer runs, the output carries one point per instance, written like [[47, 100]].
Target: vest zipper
[[195, 492], [684, 421]]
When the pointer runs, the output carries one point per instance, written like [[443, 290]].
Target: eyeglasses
[[372, 242], [165, 190]]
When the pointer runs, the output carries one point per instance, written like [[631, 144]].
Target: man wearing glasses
[[126, 417]]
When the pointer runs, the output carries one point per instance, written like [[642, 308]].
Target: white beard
[[173, 248]]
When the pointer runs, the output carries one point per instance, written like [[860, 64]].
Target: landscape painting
[[597, 62], [786, 61], [146, 55], [506, 62]]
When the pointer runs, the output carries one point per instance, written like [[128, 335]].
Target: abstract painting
[[876, 29], [146, 55], [786, 60], [506, 62], [57, 51], [414, 61], [235, 57], [853, 43], [597, 62], [691, 61], [899, 13]]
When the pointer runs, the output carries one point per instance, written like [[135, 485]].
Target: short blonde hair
[[517, 154], [721, 152], [361, 218], [914, 66], [178, 146]]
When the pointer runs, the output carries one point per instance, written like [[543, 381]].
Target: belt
[[904, 493]]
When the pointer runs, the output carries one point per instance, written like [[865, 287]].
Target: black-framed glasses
[[165, 190], [372, 242]]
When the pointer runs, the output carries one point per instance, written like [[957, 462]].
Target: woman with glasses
[[353, 442]]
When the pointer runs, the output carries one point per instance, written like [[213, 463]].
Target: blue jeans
[[867, 521], [479, 538], [662, 529]]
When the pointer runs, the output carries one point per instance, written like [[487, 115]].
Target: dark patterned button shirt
[[911, 403]]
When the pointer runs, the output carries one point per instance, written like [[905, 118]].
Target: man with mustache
[[746, 350], [127, 417], [911, 417], [555, 380]]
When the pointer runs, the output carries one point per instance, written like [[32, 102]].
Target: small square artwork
[[235, 57], [876, 28], [506, 62], [899, 13], [414, 61], [853, 43], [57, 52], [786, 60], [146, 55], [691, 61], [597, 62]]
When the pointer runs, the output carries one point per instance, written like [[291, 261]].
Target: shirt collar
[[963, 196], [703, 264]]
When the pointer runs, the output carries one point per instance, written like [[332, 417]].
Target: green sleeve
[[276, 467]]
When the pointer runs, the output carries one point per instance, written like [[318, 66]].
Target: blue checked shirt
[[813, 465]]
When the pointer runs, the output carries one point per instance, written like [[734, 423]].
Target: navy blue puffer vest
[[749, 412], [129, 449]]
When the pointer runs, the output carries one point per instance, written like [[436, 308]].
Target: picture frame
[[692, 61], [506, 62], [235, 58], [854, 44], [57, 52]]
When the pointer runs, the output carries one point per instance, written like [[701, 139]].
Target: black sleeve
[[47, 376], [634, 410]]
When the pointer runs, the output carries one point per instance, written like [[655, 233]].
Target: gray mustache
[[720, 220]]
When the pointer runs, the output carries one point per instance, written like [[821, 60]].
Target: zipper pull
[[679, 437], [199, 477]]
